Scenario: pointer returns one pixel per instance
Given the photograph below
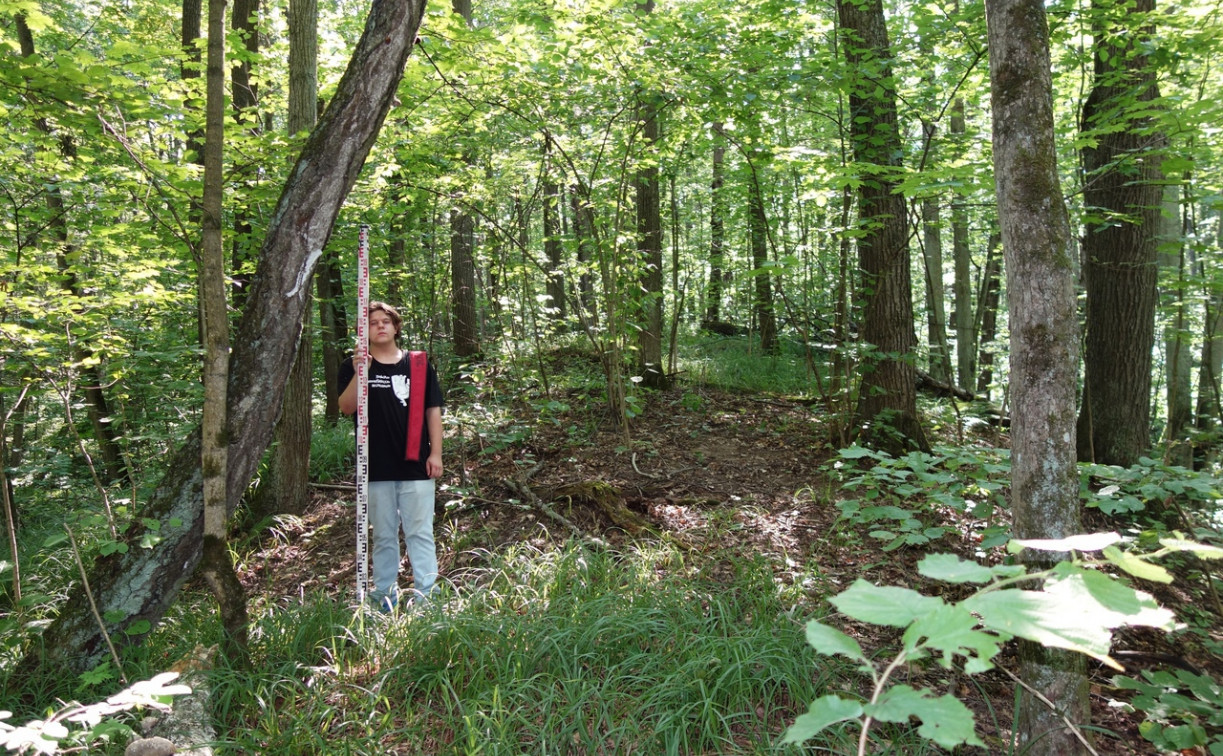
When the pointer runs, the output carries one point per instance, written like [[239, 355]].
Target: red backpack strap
[[418, 365]]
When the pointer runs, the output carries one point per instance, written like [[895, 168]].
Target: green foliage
[[1148, 486], [1073, 605], [1184, 710], [900, 497], [559, 650], [331, 452]]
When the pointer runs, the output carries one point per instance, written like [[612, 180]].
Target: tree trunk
[[762, 299], [1177, 357], [936, 309], [1122, 199], [245, 93], [966, 338], [1037, 243], [717, 227], [553, 247], [986, 324], [887, 399], [649, 239], [218, 568], [141, 584], [462, 258], [284, 490]]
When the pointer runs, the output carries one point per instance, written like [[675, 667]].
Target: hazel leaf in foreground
[[945, 719], [884, 605], [824, 711], [829, 641]]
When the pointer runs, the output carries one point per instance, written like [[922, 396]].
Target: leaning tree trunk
[[886, 415], [1038, 247], [141, 584]]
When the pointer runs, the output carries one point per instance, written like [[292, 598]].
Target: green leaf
[[1084, 542], [829, 641], [887, 605], [945, 720], [139, 627], [951, 569], [1042, 618], [1077, 611], [823, 712], [1199, 549], [953, 630], [1139, 568]]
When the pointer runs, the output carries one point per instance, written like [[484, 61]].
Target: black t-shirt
[[389, 388]]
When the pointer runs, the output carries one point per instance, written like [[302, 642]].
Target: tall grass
[[571, 652]]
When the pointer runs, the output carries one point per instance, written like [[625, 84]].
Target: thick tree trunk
[[1037, 243], [284, 490], [1122, 198], [887, 399], [649, 244], [141, 584]]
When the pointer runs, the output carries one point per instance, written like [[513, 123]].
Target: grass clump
[[570, 651]]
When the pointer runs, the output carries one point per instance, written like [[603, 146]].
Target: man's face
[[381, 328]]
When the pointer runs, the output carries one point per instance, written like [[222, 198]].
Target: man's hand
[[433, 465]]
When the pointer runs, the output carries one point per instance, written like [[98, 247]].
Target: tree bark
[[886, 415], [462, 258], [717, 227], [762, 296], [1122, 199], [985, 324], [553, 248], [936, 309], [141, 584], [1037, 243], [284, 490], [649, 239], [218, 568], [966, 338], [245, 96], [1178, 359]]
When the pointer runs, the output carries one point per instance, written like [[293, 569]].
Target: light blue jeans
[[407, 504]]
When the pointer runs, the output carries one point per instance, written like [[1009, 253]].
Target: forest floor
[[727, 476]]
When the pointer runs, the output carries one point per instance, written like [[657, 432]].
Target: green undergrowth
[[569, 651]]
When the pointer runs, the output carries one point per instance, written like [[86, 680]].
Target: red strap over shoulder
[[418, 365]]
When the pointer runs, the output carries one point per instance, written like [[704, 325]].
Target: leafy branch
[[1076, 606]]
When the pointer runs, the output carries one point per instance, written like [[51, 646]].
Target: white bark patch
[[303, 274]]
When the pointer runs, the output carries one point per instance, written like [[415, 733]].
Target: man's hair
[[391, 312]]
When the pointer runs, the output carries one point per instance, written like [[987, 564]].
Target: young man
[[405, 455]]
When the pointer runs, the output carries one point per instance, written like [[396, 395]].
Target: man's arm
[[433, 421], [348, 397]]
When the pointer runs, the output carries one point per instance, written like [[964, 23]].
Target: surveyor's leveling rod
[[362, 378]]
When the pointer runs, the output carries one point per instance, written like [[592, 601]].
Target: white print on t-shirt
[[401, 386]]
